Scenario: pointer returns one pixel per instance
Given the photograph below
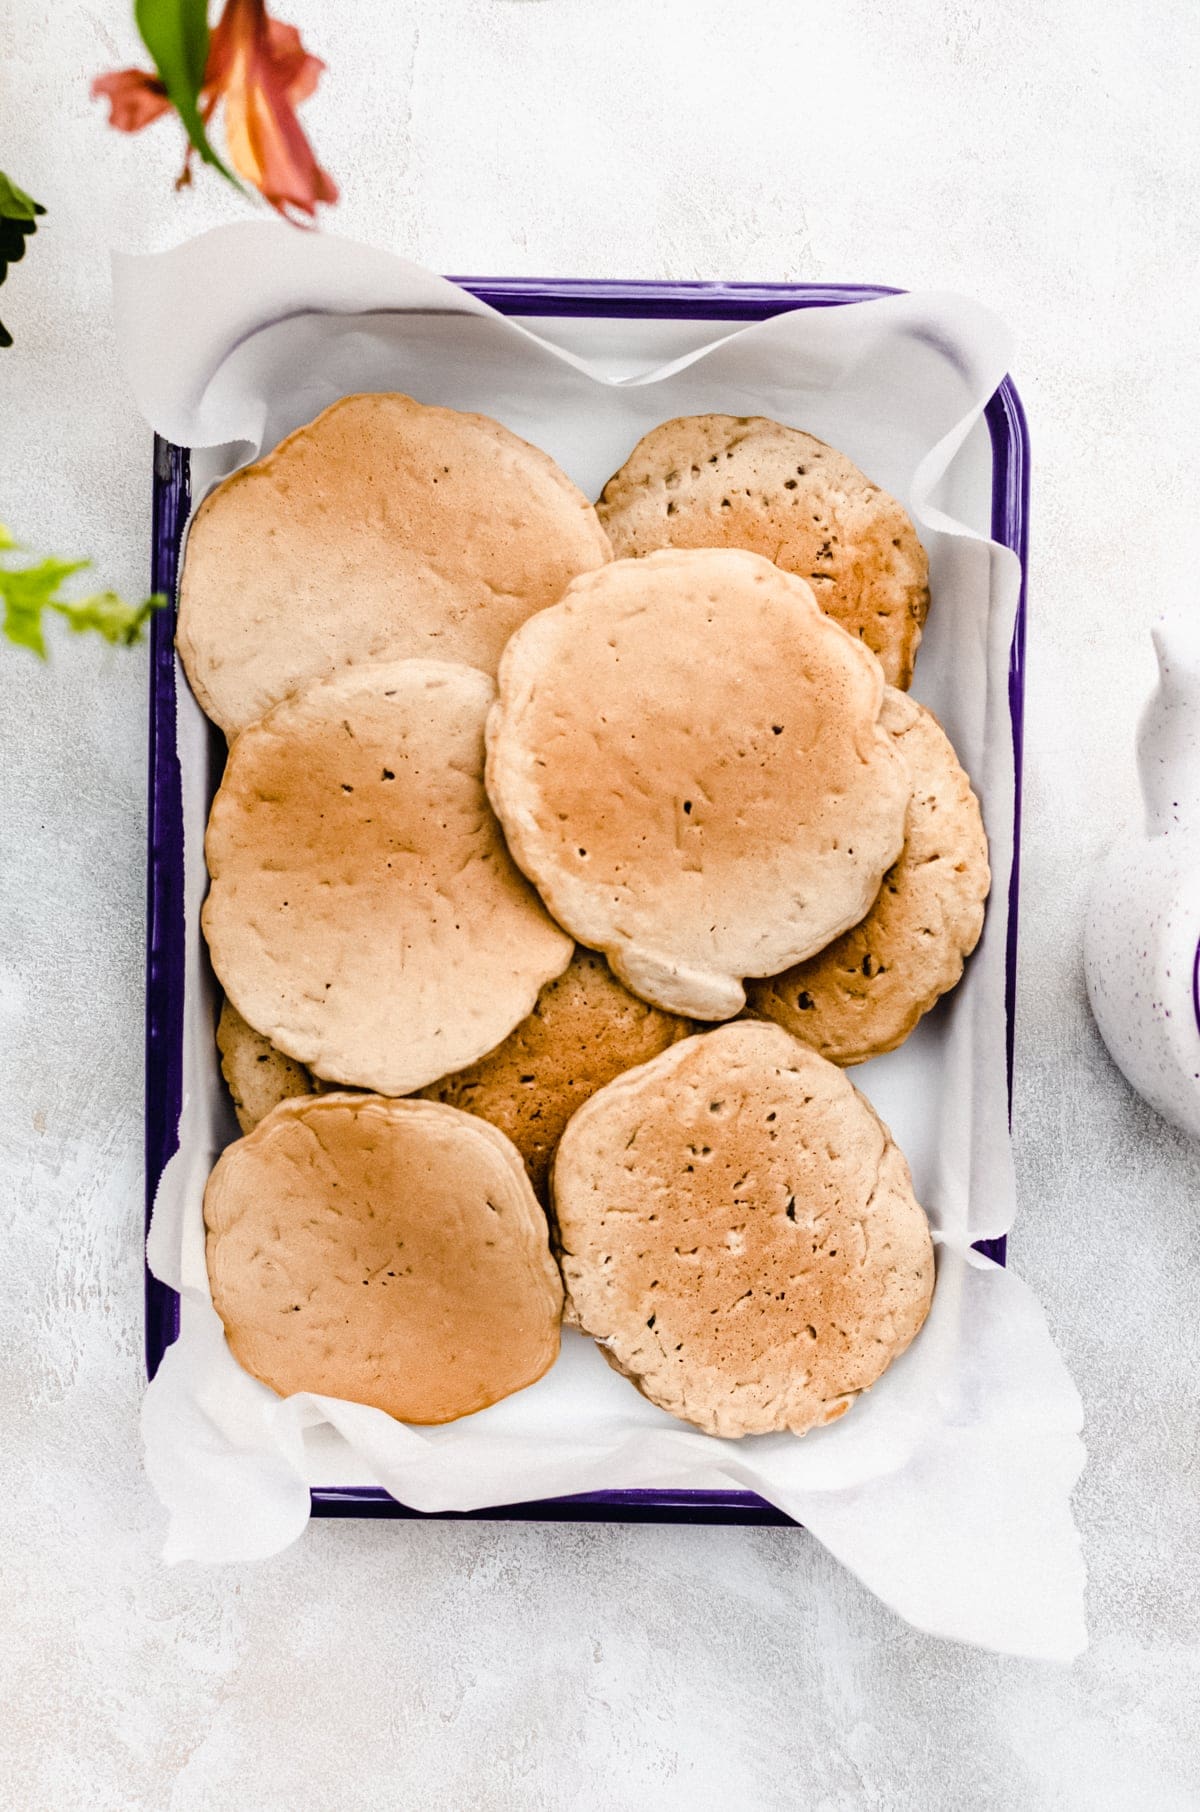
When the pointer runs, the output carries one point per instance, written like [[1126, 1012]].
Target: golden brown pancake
[[383, 530], [864, 993], [687, 759], [257, 1075], [585, 1029], [387, 1252], [739, 1233], [746, 481], [364, 913]]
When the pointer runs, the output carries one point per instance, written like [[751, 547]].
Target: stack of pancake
[[564, 858]]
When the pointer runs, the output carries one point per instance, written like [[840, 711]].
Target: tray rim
[[1004, 416]]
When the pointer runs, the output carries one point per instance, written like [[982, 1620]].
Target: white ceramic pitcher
[[1142, 941]]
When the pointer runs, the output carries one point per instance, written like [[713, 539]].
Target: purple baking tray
[[165, 915]]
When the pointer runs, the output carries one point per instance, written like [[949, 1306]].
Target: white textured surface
[[1047, 159]]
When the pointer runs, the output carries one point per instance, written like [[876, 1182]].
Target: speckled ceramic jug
[[1142, 943]]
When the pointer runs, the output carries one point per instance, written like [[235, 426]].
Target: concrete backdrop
[[1044, 159]]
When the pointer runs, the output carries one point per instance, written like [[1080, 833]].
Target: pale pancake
[[585, 1029], [746, 481], [739, 1233], [863, 994], [388, 1252], [364, 913], [384, 529], [257, 1075], [687, 759]]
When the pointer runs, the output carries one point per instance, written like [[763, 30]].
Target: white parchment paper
[[946, 1489]]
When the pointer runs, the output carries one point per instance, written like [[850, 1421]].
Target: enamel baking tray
[[526, 297]]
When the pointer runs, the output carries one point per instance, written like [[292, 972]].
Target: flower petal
[[298, 72], [269, 148], [134, 98], [261, 70]]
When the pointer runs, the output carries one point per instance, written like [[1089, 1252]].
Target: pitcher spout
[[1169, 734]]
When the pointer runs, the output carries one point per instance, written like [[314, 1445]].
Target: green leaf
[[23, 626], [28, 592], [175, 32], [7, 538], [17, 220], [110, 616], [14, 203]]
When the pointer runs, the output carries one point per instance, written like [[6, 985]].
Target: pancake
[[383, 530], [257, 1075], [864, 993], [687, 759], [364, 914], [585, 1030], [387, 1252], [739, 1233], [746, 481]]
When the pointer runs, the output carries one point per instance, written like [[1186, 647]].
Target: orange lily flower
[[261, 71]]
